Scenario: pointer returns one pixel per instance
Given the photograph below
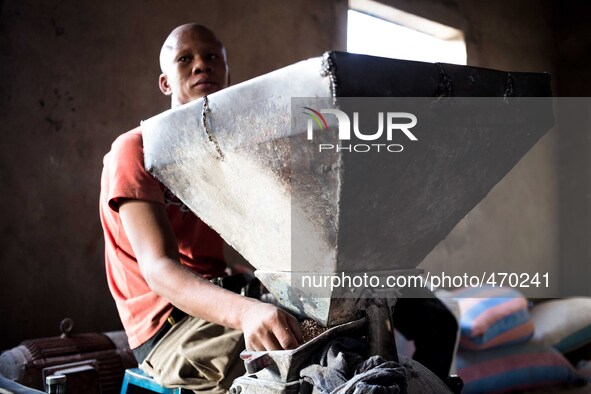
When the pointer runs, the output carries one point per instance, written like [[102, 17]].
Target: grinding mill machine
[[345, 165]]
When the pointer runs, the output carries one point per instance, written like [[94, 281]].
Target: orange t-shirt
[[142, 311]]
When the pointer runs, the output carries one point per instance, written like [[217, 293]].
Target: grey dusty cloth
[[341, 369]]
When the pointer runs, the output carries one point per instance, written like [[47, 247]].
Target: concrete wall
[[573, 35], [76, 74]]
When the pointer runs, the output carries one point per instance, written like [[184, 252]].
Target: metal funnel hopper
[[248, 160]]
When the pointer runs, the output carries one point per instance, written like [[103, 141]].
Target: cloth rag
[[342, 369]]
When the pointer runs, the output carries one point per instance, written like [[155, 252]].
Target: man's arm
[[265, 326]]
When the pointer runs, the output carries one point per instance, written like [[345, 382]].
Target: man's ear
[[164, 86]]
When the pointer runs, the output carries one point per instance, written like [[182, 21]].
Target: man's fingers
[[289, 333], [264, 341], [252, 344], [296, 329], [286, 338], [271, 329], [271, 343]]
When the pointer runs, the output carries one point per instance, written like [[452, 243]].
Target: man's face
[[194, 65]]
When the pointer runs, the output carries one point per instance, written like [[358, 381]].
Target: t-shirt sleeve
[[127, 177]]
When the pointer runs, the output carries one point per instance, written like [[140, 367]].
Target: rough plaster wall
[[74, 76], [574, 145]]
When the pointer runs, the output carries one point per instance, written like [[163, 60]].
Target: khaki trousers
[[197, 355]]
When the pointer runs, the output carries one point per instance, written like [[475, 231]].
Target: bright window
[[376, 29]]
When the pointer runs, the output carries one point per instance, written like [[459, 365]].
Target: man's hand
[[267, 327]]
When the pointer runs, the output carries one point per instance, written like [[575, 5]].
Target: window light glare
[[369, 35]]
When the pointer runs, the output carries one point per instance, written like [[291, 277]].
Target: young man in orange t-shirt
[[183, 329]]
